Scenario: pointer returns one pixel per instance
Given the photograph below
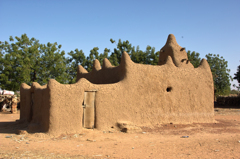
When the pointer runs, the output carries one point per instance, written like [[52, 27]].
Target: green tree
[[1, 59], [194, 58], [77, 57], [234, 91], [53, 64], [103, 55], [149, 56], [94, 54], [220, 74], [152, 56], [27, 61], [116, 55], [16, 61], [138, 56], [237, 75]]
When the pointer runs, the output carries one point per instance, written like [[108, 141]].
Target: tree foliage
[[234, 91], [76, 58], [220, 72], [194, 58], [27, 61], [237, 75], [149, 56]]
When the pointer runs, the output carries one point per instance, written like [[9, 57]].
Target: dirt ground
[[216, 140]]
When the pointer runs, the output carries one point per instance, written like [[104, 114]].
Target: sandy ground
[[216, 140]]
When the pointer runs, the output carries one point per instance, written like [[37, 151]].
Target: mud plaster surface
[[145, 95]]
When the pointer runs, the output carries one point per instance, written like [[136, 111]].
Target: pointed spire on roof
[[204, 64], [96, 65], [169, 62], [82, 69], [125, 58], [171, 39], [106, 63], [171, 48]]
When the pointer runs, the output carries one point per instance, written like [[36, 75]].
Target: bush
[[234, 91]]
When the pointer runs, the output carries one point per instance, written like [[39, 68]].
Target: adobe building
[[145, 95]]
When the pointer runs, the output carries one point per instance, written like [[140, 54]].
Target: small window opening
[[169, 89]]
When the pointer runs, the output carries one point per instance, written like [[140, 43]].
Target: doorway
[[89, 109]]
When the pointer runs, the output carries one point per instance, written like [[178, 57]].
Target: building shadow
[[12, 127]]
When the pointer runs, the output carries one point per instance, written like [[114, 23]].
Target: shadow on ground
[[9, 125]]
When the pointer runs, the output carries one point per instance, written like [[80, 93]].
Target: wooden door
[[89, 109]]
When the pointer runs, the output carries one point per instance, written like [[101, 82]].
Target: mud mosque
[[145, 95]]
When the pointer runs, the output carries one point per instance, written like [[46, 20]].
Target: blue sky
[[206, 26]]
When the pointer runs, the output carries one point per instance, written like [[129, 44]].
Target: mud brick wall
[[144, 95]]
